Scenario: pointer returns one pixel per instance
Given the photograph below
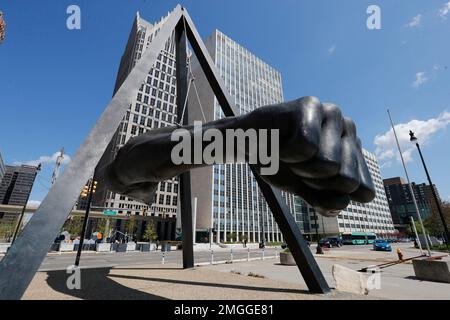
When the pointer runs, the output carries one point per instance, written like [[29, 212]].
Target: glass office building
[[229, 200], [374, 216], [154, 106]]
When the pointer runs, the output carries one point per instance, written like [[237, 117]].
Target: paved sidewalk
[[169, 282], [142, 276], [397, 282]]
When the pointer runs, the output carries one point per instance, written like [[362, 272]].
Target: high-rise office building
[[154, 106], [401, 202], [373, 217], [15, 187], [2, 168], [229, 200]]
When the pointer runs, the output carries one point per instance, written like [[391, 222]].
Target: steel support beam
[[184, 179], [25, 256], [297, 244]]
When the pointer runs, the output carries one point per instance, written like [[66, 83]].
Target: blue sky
[[55, 82]]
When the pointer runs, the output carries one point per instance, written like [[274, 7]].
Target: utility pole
[[410, 189], [319, 249], [2, 27], [88, 192], [59, 161], [413, 139]]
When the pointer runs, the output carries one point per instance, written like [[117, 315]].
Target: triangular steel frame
[[25, 256]]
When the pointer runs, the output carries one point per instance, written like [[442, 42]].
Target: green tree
[[410, 230], [130, 226], [150, 233], [434, 222], [6, 230], [73, 225], [232, 236]]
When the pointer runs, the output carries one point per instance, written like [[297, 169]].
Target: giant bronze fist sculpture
[[320, 156]]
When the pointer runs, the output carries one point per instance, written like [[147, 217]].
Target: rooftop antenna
[[59, 161]]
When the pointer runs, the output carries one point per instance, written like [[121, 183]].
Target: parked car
[[381, 245], [330, 242]]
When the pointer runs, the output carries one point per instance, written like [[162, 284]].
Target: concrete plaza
[[143, 276]]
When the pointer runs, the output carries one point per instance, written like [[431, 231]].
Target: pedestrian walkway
[[153, 282]]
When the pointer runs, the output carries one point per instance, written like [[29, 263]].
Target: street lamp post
[[413, 139], [88, 191], [319, 249], [410, 188]]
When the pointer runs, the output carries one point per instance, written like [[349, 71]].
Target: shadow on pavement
[[96, 285], [209, 284]]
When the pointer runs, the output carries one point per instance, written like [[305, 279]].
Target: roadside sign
[[109, 212]]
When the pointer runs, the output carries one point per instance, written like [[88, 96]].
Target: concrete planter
[[4, 247], [287, 259], [432, 270], [121, 247], [66, 247], [144, 247], [131, 246], [103, 247], [166, 247]]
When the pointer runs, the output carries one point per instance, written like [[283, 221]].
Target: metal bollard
[[163, 257], [212, 256], [248, 254], [276, 253], [262, 256], [231, 255]]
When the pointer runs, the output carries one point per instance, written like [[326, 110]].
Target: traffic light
[[87, 188], [85, 192]]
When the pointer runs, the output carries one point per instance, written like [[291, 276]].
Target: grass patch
[[441, 247]]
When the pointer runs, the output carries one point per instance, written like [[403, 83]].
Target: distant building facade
[[154, 106], [15, 187], [2, 168], [373, 217], [229, 200], [401, 202]]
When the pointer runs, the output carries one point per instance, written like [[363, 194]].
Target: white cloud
[[420, 79], [332, 49], [44, 160], [444, 11], [33, 203], [415, 22], [386, 147]]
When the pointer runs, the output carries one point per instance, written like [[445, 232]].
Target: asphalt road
[[396, 282], [96, 260], [89, 259]]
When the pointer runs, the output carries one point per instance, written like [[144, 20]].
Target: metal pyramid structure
[[25, 256]]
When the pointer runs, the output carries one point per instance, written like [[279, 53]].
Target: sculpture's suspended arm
[[320, 156]]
